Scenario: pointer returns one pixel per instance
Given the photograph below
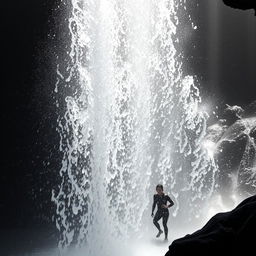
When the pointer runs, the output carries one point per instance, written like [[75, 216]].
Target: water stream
[[129, 119]]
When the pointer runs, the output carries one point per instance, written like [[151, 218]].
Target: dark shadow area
[[221, 53], [25, 241], [29, 160]]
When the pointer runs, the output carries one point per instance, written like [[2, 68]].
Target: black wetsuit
[[161, 212]]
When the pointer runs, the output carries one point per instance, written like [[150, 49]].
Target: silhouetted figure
[[160, 199]]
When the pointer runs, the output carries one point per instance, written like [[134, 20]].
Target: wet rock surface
[[234, 145]]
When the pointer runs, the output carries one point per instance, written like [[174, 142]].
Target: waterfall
[[129, 119]]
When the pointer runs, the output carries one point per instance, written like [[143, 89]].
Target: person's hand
[[164, 206], [152, 214]]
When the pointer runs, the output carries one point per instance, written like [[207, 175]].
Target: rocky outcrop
[[233, 142], [241, 4], [236, 156], [228, 233]]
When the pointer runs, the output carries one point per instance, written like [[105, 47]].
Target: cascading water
[[131, 120]]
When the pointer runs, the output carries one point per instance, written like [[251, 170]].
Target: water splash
[[131, 119], [247, 168]]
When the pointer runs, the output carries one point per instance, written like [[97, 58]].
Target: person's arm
[[154, 205], [170, 201]]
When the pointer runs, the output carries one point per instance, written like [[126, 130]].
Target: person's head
[[159, 189]]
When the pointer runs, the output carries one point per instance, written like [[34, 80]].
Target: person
[[160, 199]]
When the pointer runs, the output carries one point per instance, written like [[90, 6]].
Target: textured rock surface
[[232, 140]]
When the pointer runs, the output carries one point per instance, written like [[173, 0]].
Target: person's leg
[[165, 219], [155, 221], [157, 217]]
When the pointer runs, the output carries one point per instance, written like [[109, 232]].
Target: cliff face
[[224, 234]]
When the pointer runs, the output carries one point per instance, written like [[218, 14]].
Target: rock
[[226, 233], [232, 142], [236, 158], [241, 4], [232, 114]]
